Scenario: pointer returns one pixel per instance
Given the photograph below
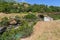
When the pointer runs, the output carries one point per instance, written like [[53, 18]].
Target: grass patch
[[55, 16]]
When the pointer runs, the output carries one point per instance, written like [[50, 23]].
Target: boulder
[[12, 22]]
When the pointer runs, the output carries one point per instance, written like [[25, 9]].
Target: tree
[[7, 1], [5, 5]]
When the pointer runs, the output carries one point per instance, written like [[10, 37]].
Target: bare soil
[[45, 31]]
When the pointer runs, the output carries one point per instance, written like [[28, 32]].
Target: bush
[[30, 17], [24, 31], [54, 16], [18, 19], [13, 34], [8, 35], [4, 22]]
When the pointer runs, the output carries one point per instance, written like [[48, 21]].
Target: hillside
[[45, 31]]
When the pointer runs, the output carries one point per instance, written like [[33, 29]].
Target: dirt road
[[45, 31]]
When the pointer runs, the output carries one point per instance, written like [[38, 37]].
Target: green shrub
[[13, 34], [25, 30], [18, 19], [4, 22], [30, 17], [8, 35], [54, 16]]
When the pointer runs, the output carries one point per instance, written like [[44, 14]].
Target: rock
[[12, 22]]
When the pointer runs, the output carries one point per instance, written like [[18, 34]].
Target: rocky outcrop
[[12, 22]]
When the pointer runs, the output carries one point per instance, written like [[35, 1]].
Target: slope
[[45, 31]]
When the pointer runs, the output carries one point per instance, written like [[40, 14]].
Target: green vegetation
[[30, 17], [25, 23], [14, 7], [55, 17], [23, 30], [4, 22], [8, 35]]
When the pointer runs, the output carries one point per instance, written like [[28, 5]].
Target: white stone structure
[[47, 18]]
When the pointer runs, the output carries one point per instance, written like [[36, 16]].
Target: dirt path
[[45, 31]]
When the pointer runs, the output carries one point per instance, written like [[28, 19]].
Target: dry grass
[[11, 15], [45, 31]]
